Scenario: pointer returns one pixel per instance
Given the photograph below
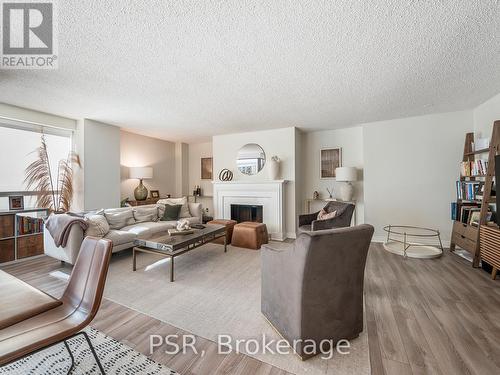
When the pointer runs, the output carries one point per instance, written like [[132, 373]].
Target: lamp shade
[[346, 174], [141, 172]]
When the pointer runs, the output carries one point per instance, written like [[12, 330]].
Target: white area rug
[[115, 357], [216, 293]]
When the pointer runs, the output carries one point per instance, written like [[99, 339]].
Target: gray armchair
[[310, 222], [313, 290]]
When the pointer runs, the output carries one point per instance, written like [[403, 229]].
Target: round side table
[[401, 240]]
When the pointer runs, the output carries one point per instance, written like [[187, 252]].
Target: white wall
[[299, 169], [484, 116], [181, 169], [410, 169], [279, 142], [351, 142], [101, 164], [196, 152], [141, 151]]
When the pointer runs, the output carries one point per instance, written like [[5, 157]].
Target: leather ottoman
[[250, 235], [229, 230]]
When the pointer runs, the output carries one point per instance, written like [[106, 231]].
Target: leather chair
[[310, 222], [80, 303], [313, 290]]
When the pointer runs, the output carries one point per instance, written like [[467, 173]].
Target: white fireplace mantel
[[268, 194]]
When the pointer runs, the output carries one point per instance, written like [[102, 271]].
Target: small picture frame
[[155, 194], [329, 160], [206, 168], [16, 202]]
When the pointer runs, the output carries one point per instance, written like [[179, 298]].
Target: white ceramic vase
[[274, 169]]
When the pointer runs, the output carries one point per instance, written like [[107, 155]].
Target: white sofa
[[122, 238]]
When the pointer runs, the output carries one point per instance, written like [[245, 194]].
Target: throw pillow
[[323, 215], [172, 212], [119, 219], [182, 201], [98, 225], [143, 214]]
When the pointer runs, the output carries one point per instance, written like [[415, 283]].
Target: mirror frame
[[257, 165]]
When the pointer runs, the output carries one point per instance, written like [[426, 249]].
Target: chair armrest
[[307, 219], [196, 210], [69, 253]]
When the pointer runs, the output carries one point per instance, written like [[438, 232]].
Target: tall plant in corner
[[53, 195]]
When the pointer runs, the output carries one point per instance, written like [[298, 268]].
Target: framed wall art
[[330, 159], [206, 168], [16, 202]]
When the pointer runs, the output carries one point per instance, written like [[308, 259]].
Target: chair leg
[[93, 352], [72, 358]]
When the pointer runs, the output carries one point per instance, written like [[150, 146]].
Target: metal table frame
[[405, 234], [171, 253]]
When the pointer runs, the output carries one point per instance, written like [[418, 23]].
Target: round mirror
[[251, 159]]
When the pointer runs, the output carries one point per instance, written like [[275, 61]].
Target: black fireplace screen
[[246, 212]]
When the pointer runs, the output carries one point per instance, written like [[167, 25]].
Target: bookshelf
[[21, 233], [473, 208]]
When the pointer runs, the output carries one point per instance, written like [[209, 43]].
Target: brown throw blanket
[[59, 227]]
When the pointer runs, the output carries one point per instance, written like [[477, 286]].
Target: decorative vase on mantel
[[274, 168]]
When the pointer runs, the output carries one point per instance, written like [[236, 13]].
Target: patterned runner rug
[[115, 357]]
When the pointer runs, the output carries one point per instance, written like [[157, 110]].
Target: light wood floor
[[423, 317]]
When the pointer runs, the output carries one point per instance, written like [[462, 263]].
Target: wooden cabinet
[[465, 236], [29, 246], [7, 250], [21, 233], [7, 225], [490, 247]]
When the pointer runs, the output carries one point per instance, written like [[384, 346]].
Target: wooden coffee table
[[172, 246]]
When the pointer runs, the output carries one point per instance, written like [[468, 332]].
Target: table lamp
[[141, 192], [346, 174]]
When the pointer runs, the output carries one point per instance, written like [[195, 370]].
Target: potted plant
[[54, 192]]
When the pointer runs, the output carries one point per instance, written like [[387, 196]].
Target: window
[[17, 151]]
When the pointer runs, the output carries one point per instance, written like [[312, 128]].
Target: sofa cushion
[[120, 237], [142, 214], [148, 229], [119, 219], [98, 225], [172, 212], [323, 215], [182, 201]]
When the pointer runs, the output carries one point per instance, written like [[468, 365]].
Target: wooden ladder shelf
[[467, 236]]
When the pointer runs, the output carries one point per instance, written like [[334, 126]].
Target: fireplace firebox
[[246, 212]]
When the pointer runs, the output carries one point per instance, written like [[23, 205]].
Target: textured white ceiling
[[186, 70]]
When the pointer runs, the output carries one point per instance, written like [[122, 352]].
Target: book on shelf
[[473, 168], [29, 225], [469, 190]]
